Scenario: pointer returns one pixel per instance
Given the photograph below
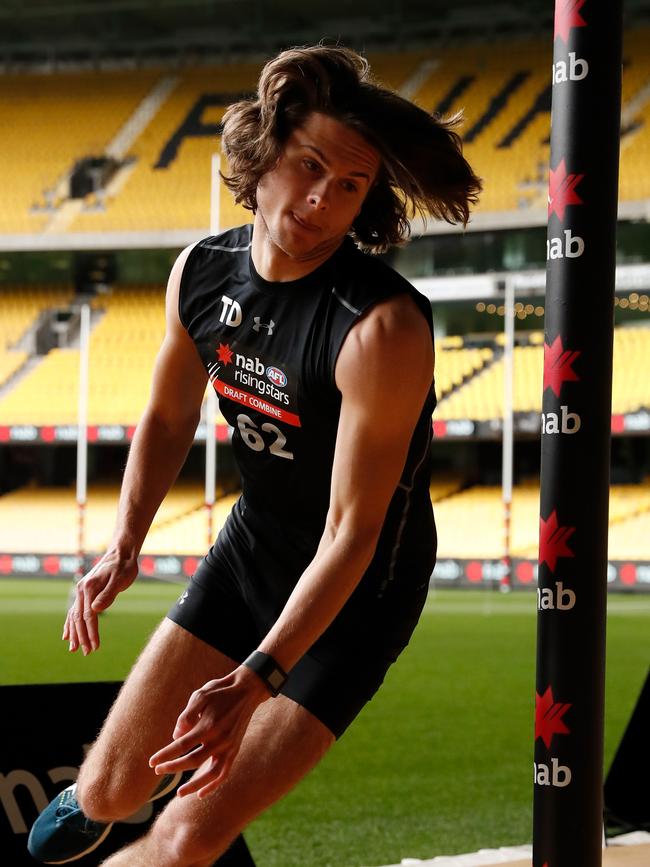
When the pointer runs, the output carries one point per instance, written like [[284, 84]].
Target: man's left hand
[[210, 730]]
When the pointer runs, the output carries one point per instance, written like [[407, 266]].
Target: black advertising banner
[[44, 730], [627, 805], [579, 320]]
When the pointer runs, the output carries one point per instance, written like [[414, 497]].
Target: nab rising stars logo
[[567, 16]]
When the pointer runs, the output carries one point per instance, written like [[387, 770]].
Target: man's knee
[[185, 845], [107, 796]]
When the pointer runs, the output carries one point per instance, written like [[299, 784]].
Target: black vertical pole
[[576, 423]]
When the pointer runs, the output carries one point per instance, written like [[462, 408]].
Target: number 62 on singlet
[[254, 440]]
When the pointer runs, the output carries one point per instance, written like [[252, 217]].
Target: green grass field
[[439, 763]]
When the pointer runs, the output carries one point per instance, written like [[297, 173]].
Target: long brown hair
[[423, 171]]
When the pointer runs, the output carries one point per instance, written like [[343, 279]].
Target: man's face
[[309, 200]]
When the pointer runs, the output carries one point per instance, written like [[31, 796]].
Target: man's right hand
[[160, 445], [94, 593]]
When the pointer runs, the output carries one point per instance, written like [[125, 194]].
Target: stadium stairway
[[25, 369], [458, 363], [69, 209]]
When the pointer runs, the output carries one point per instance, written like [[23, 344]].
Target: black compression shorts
[[346, 666]]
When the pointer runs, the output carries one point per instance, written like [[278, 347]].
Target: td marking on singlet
[[230, 312]]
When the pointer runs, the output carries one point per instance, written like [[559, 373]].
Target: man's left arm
[[384, 373]]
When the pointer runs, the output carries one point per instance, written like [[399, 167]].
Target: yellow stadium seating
[[178, 196], [488, 69], [634, 175], [50, 121], [187, 533], [130, 329], [180, 526], [442, 486], [481, 397], [454, 365], [123, 346], [482, 509], [19, 308], [630, 387]]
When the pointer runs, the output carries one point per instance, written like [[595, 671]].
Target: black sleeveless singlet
[[270, 350]]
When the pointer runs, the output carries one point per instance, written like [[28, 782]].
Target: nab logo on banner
[[567, 16], [557, 775], [566, 423], [558, 369], [549, 721], [46, 749], [562, 192], [555, 598], [576, 69]]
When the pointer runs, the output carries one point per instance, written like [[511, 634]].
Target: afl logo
[[276, 376]]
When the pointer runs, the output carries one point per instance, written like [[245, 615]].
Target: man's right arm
[[160, 445]]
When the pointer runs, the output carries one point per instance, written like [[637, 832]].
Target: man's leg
[[283, 742], [115, 778]]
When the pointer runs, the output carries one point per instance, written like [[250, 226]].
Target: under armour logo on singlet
[[259, 325]]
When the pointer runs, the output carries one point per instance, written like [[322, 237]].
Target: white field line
[[507, 854], [483, 856]]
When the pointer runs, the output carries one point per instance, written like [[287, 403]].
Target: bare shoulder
[[174, 286], [393, 339], [398, 316]]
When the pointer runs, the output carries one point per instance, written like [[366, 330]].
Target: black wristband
[[267, 669]]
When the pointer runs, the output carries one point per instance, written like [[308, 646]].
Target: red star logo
[[567, 16], [224, 353], [553, 541], [558, 363], [548, 717], [562, 190]]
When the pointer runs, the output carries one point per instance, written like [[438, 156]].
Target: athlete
[[323, 359]]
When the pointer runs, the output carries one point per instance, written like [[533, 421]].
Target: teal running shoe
[[62, 833]]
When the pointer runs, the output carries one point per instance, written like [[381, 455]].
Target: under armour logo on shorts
[[259, 325], [183, 597]]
